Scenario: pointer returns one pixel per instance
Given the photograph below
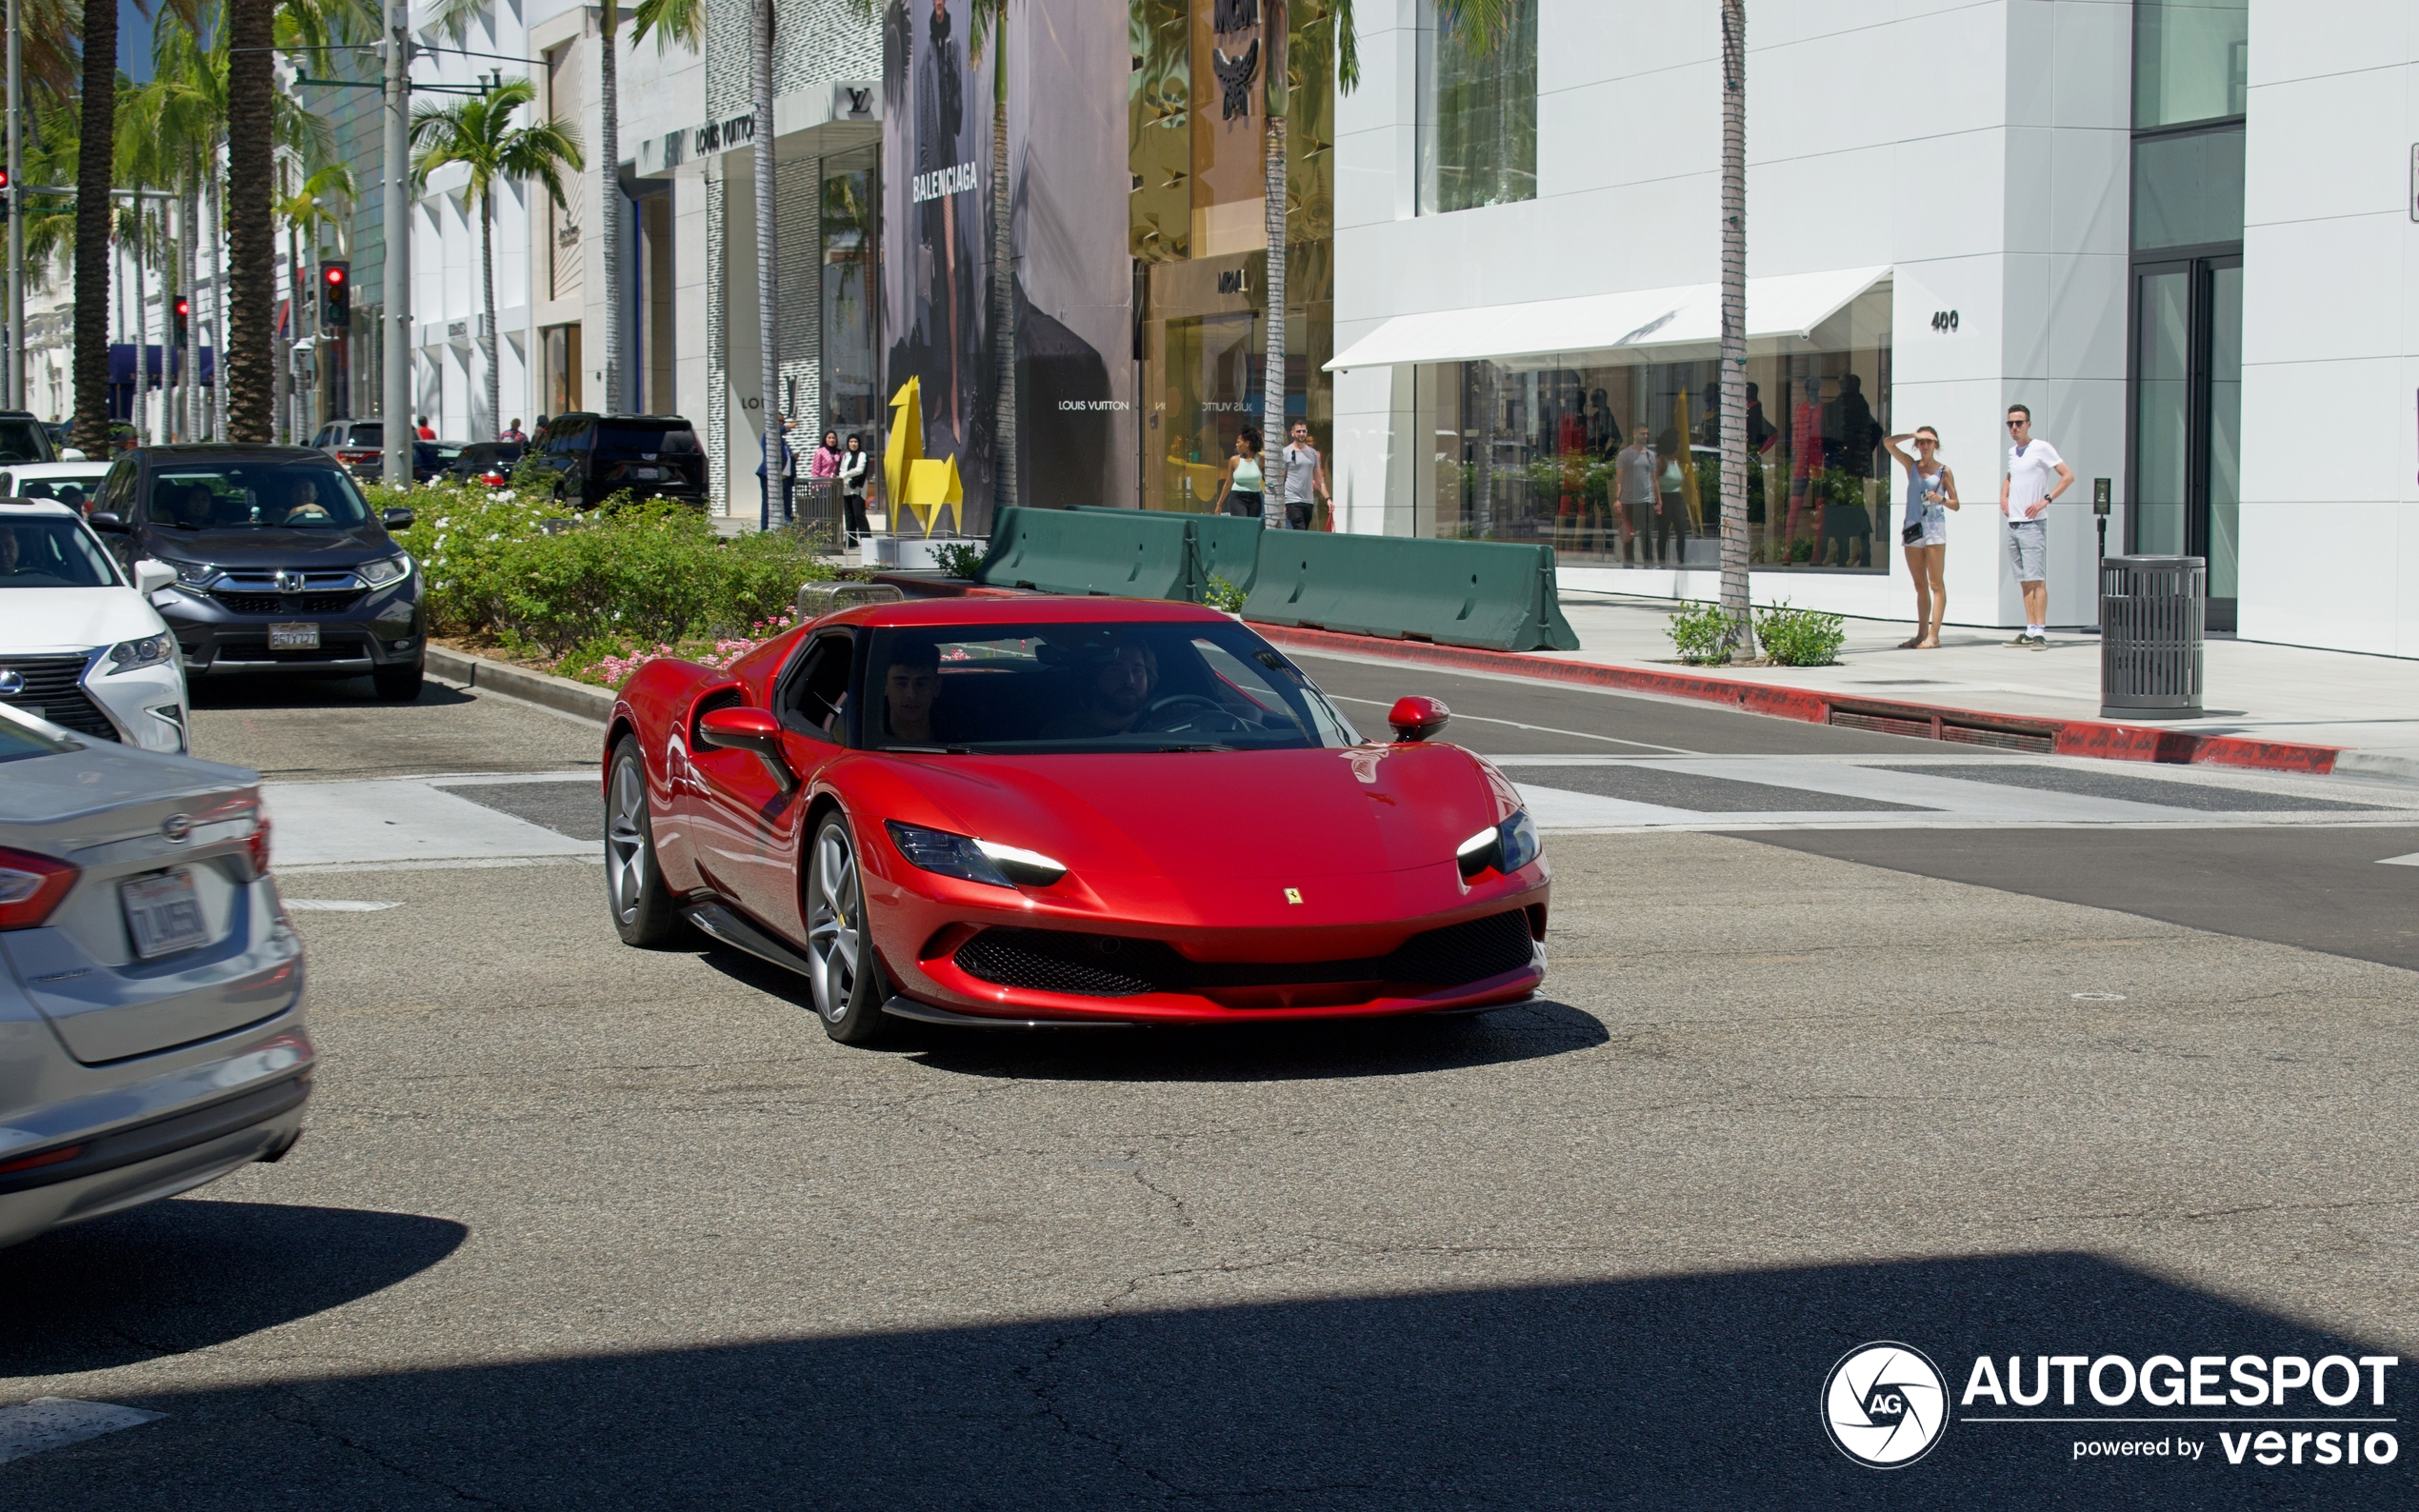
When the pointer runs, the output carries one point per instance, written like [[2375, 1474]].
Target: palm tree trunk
[[285, 426], [247, 365], [1272, 381], [95, 173], [1734, 586], [189, 220], [1005, 479], [608, 183], [768, 357], [486, 286]]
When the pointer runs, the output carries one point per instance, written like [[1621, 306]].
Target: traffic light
[[336, 295], [184, 307]]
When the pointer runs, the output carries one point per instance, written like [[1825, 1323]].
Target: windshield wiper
[[1185, 749], [926, 750]]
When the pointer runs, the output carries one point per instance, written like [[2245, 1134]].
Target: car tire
[[399, 684], [846, 975], [643, 913]]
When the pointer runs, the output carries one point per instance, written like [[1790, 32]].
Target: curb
[[542, 688], [2104, 740]]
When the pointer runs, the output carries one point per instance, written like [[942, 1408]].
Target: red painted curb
[[2062, 737]]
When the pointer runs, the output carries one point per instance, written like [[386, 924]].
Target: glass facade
[[1614, 458], [851, 212], [1198, 233], [2188, 188], [2192, 60], [1477, 111]]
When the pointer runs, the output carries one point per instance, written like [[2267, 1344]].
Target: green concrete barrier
[[1127, 553], [1482, 593], [1226, 545]]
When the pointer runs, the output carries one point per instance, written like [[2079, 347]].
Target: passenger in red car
[[910, 689], [1118, 691]]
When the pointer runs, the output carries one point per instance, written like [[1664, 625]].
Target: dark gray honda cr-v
[[280, 567]]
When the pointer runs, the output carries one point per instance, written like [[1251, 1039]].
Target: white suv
[[79, 645]]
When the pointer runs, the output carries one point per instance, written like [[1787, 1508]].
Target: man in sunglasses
[[2036, 475]]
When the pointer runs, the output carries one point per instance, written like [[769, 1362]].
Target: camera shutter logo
[[1885, 1405]]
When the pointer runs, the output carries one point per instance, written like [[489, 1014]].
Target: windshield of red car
[[1065, 688]]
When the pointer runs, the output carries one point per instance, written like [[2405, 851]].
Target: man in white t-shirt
[[2036, 475]]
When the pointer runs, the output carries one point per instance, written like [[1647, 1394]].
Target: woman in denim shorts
[[1931, 492]]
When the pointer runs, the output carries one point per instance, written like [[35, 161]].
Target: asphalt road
[[578, 1225]]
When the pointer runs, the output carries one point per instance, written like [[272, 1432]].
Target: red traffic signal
[[4, 178], [184, 307], [336, 296], [333, 272]]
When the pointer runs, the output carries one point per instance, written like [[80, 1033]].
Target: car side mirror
[[150, 576], [109, 521], [752, 729], [72, 454], [1417, 718], [397, 519]]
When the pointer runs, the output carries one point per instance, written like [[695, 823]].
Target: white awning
[[1691, 314]]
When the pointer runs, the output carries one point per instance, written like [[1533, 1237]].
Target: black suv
[[24, 438], [280, 564], [593, 457]]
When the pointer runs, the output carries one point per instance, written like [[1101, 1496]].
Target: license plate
[[163, 914], [650, 473], [293, 637]]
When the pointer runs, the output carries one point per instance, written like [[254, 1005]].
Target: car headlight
[[128, 656], [378, 575], [194, 574], [973, 860], [1504, 847]]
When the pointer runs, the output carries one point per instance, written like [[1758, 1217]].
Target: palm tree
[[1734, 590], [477, 133], [95, 175], [990, 17], [247, 357]]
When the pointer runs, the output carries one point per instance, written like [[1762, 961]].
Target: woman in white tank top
[[1931, 492]]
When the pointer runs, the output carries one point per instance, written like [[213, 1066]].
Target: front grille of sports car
[[286, 603], [1090, 966], [55, 684]]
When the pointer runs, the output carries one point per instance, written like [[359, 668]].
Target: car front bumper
[[381, 628]]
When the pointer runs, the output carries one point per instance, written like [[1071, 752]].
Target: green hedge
[[630, 573]]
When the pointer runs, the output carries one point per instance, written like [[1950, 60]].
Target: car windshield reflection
[[50, 554], [259, 495], [1073, 688]]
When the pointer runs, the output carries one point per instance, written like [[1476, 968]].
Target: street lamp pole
[[16, 214], [396, 348]]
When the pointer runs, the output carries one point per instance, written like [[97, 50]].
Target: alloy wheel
[[832, 918], [626, 842]]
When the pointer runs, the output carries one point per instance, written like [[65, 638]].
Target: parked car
[[80, 643], [24, 439], [489, 462], [360, 445], [1031, 811], [71, 483], [151, 996], [593, 457], [280, 567]]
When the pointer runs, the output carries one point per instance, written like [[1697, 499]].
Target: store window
[[2192, 60], [1477, 106], [1198, 229], [1615, 458], [851, 212], [560, 346]]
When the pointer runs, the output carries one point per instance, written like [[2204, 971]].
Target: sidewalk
[[2267, 705]]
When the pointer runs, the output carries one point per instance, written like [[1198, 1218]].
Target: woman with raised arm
[[1931, 492]]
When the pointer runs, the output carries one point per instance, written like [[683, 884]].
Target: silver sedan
[[151, 1030]]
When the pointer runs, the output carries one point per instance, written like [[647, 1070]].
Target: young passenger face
[[912, 692]]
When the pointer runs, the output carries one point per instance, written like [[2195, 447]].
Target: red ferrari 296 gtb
[[1028, 811]]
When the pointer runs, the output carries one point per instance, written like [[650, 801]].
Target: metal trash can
[[2151, 609]]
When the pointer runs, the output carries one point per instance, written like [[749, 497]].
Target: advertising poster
[[1068, 67], [936, 130]]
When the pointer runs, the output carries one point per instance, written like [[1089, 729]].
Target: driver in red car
[[910, 686], [1115, 697]]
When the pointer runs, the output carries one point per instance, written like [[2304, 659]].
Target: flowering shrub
[[631, 574], [609, 664]]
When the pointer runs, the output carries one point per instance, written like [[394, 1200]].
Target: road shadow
[[1667, 1392], [1237, 1052], [311, 692], [190, 1272]]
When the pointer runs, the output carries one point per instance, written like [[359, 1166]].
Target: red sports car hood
[[1218, 817]]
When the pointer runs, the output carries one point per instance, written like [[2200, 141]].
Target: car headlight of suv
[[973, 860], [1504, 847], [194, 574], [151, 650], [391, 570]]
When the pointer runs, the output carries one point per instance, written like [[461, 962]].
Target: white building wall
[[1979, 150], [2331, 328]]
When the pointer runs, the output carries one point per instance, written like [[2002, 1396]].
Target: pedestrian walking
[[1244, 491], [514, 434], [1931, 492], [2036, 475], [855, 464], [1305, 479]]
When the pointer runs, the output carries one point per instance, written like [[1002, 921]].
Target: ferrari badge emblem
[[1293, 895]]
